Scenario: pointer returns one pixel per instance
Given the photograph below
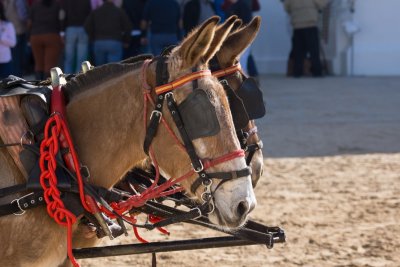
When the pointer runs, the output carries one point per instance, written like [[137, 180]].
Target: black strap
[[162, 75], [155, 119], [222, 176], [12, 190], [20, 205], [251, 149], [173, 108]]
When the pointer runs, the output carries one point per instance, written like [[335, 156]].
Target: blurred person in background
[[196, 12], [76, 39], [8, 39], [162, 17], [134, 10], [109, 29], [16, 12], [218, 9], [97, 3], [242, 9], [45, 28], [304, 19]]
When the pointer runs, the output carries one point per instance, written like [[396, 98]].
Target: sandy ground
[[331, 180]]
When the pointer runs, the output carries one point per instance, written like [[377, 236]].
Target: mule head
[[228, 55], [234, 199]]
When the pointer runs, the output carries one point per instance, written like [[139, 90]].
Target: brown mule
[[105, 115]]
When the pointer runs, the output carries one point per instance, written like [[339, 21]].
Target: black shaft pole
[[156, 247]]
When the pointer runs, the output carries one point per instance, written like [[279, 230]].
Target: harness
[[246, 104], [183, 119], [59, 161]]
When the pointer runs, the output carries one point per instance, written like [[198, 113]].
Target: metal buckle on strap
[[199, 211], [22, 211], [170, 94], [156, 112], [199, 169]]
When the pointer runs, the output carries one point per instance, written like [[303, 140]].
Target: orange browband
[[181, 81], [227, 71]]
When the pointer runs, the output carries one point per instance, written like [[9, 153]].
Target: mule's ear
[[238, 41], [220, 35], [194, 47], [236, 25]]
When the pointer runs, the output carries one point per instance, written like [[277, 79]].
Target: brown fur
[[229, 54], [105, 116], [238, 41]]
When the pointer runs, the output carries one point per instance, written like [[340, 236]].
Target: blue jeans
[[160, 41], [106, 51], [5, 70], [76, 49], [19, 56]]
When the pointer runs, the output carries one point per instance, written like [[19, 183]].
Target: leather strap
[[225, 176], [173, 108], [12, 190], [155, 119], [20, 205]]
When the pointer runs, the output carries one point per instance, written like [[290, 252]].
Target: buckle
[[199, 212], [27, 136], [199, 169], [170, 94], [21, 210], [85, 172], [156, 112]]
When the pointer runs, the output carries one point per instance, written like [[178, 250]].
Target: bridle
[[243, 134], [164, 91]]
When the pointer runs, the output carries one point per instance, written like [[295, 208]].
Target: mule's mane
[[101, 74]]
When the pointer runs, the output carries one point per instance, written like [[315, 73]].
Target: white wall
[[272, 45], [376, 46]]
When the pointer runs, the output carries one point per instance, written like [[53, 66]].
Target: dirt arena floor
[[331, 180]]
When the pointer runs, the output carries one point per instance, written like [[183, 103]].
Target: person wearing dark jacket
[[162, 18], [76, 39], [45, 26], [242, 9], [196, 12], [134, 10], [109, 29]]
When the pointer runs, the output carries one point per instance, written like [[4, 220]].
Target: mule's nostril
[[242, 209]]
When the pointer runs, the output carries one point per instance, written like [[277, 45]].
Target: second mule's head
[[229, 55], [198, 102]]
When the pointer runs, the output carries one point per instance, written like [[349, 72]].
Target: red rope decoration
[[55, 130]]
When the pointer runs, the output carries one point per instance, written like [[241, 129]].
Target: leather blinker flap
[[252, 98], [239, 114], [198, 115]]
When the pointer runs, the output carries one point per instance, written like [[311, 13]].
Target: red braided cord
[[54, 130]]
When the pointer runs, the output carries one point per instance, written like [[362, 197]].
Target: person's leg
[[53, 52], [70, 44], [38, 54], [299, 52], [134, 48], [5, 70], [18, 55], [100, 52], [156, 44], [115, 51], [82, 51], [312, 37], [160, 41]]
